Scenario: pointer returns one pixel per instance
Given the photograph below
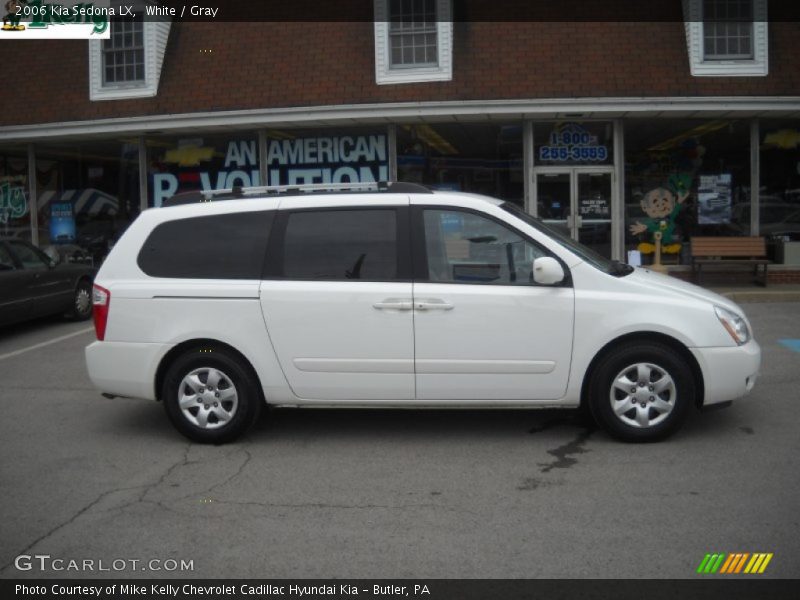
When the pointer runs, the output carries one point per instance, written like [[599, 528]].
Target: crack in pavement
[[69, 521], [142, 498], [247, 459], [323, 505], [533, 483], [148, 488], [145, 489]]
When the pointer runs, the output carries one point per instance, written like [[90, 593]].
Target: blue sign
[[570, 142], [62, 223]]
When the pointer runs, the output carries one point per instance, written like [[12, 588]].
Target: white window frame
[[155, 35], [757, 66], [442, 71], [105, 53]]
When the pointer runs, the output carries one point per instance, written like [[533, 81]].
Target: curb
[[763, 296]]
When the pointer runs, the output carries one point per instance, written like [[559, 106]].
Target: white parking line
[[47, 343]]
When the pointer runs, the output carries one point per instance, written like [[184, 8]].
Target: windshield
[[612, 267]]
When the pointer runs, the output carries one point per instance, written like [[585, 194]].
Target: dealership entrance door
[[578, 199]]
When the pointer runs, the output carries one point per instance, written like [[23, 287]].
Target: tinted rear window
[[341, 245], [229, 246]]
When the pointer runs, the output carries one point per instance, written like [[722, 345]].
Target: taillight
[[101, 300]]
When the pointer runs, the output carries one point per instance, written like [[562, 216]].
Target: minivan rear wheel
[[641, 392], [210, 395]]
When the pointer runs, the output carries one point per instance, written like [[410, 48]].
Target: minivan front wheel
[[210, 396], [641, 392]]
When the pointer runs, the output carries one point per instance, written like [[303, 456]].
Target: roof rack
[[294, 190]]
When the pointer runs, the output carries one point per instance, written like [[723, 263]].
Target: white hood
[[642, 276]]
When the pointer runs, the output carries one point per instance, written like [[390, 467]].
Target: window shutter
[[158, 34], [95, 68], [381, 38]]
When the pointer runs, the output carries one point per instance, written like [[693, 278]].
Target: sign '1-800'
[[572, 143]]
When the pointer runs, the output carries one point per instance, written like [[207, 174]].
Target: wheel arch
[[647, 336], [199, 344]]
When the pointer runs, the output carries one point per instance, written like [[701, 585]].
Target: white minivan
[[398, 296]]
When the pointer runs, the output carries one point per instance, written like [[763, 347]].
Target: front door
[[579, 200], [483, 330]]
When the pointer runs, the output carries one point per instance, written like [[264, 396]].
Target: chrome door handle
[[394, 304], [432, 304]]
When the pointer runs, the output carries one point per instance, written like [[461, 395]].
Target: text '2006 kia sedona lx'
[[219, 304]]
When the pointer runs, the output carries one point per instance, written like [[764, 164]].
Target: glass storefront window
[[88, 194], [293, 157], [779, 192], [15, 215], [341, 155], [682, 178], [484, 158], [196, 162]]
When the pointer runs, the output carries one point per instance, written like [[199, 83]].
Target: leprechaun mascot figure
[[662, 206]]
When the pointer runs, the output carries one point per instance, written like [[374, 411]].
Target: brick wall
[[265, 65]]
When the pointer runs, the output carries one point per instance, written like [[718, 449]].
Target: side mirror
[[547, 271], [53, 255]]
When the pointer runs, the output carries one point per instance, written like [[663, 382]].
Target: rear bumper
[[125, 369], [728, 373]]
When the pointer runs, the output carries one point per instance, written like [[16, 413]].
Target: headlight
[[733, 324]]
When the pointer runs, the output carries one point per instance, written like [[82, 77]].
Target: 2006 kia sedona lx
[[399, 297]]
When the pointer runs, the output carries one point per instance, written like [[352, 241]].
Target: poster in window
[[594, 207], [714, 199]]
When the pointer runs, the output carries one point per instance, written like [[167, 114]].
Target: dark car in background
[[32, 284]]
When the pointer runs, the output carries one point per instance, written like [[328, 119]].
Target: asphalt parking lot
[[494, 494]]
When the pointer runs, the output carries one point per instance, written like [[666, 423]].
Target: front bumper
[[125, 369], [728, 373]]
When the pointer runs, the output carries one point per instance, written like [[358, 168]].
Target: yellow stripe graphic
[[758, 562], [765, 563], [752, 563]]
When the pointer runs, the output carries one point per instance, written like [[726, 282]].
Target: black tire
[[649, 417], [81, 308], [236, 375]]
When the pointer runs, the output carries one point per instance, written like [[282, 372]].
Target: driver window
[[29, 258], [464, 247], [6, 264]]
